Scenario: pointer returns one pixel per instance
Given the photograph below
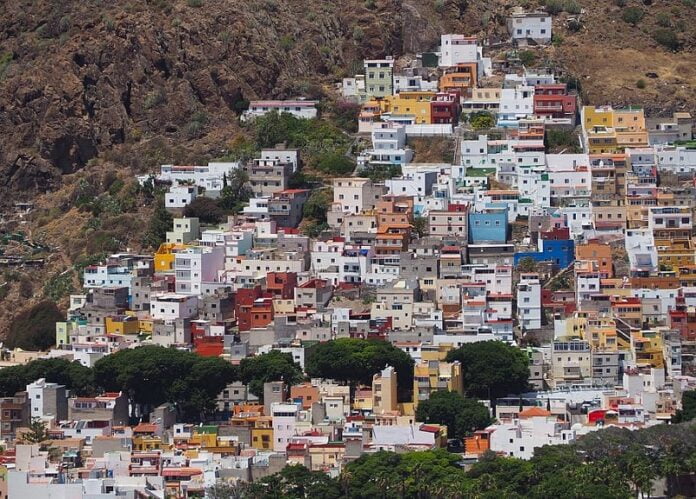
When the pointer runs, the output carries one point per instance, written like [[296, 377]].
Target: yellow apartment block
[[122, 324], [416, 104], [165, 254], [671, 254], [434, 375], [648, 349], [609, 130]]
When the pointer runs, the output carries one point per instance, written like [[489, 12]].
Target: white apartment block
[[458, 49], [180, 196], [172, 306], [529, 301], [355, 195], [306, 109], [284, 423], [198, 265]]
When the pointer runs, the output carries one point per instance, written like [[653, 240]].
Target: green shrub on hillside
[[632, 15]]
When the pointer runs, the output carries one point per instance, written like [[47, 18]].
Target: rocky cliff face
[[81, 77]]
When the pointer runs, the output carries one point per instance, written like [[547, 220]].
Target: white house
[[515, 103], [388, 146], [535, 427], [534, 26], [172, 306], [306, 109], [180, 196]]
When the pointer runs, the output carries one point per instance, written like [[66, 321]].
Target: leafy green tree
[[160, 222], [318, 204], [462, 416], [152, 375], [527, 264], [295, 482], [206, 210], [76, 377], [688, 410], [527, 58], [271, 366], [235, 191], [420, 225], [35, 328], [36, 433], [481, 120], [355, 361], [492, 369], [335, 163]]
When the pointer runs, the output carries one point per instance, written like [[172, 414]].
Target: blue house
[[489, 226], [559, 252]]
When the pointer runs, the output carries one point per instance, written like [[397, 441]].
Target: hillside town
[[552, 245]]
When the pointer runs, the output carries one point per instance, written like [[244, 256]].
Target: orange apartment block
[[598, 253], [462, 77], [306, 394]]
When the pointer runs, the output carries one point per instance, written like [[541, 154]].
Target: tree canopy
[[461, 415], [152, 375], [73, 375], [355, 361], [492, 369], [271, 366], [205, 209], [35, 328], [688, 410]]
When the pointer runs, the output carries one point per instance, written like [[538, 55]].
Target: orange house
[[305, 393], [462, 77], [598, 253]]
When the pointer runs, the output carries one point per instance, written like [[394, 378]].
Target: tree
[[632, 15], [160, 223], [152, 375], [235, 191], [76, 377], [461, 416], [335, 163], [295, 482], [481, 120], [686, 413], [527, 57], [204, 209], [318, 204], [492, 369], [420, 225], [527, 264], [355, 361], [35, 328], [37, 432], [271, 366]]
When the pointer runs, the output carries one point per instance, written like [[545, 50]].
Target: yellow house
[[362, 401], [609, 130], [571, 327], [165, 254], [262, 433], [647, 348], [122, 324], [601, 334], [145, 326], [430, 376], [671, 254], [414, 103]]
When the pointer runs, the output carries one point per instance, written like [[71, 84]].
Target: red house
[[553, 101]]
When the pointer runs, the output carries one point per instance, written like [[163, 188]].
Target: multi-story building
[[529, 302], [379, 77], [535, 26]]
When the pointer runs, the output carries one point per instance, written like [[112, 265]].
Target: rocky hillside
[[89, 87]]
